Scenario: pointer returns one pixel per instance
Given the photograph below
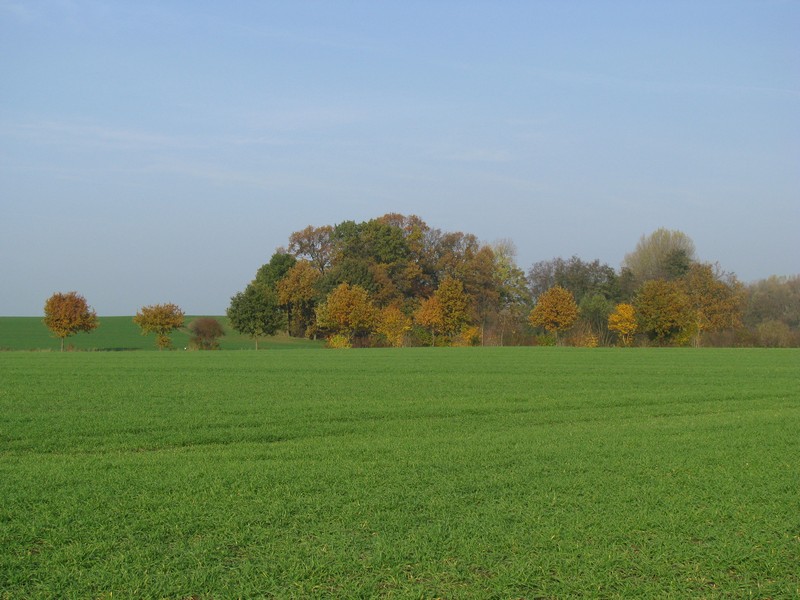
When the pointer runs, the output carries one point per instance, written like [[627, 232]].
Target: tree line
[[396, 281]]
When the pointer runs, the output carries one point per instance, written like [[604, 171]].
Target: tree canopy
[[66, 314]]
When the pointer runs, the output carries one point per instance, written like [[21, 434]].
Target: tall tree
[[429, 315], [664, 254], [580, 277], [454, 305], [555, 311], [66, 314], [256, 312], [161, 319], [715, 304], [275, 270], [298, 292], [314, 244]]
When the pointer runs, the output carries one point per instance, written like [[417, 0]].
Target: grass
[[455, 473], [120, 333]]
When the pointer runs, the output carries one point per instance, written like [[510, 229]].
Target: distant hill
[[120, 333]]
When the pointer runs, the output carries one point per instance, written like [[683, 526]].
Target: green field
[[412, 473], [120, 333]]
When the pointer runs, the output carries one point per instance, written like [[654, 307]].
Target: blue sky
[[160, 151]]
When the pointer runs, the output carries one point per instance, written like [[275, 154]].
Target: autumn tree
[[205, 333], [314, 244], [582, 278], [454, 305], [394, 324], [256, 312], [161, 319], [715, 303], [297, 291], [663, 311], [429, 315], [555, 311], [623, 322], [66, 314], [348, 311]]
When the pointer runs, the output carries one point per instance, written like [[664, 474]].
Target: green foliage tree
[[161, 319], [664, 254], [275, 270], [555, 311], [66, 314], [256, 312]]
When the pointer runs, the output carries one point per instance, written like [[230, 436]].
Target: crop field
[[121, 333], [411, 473]]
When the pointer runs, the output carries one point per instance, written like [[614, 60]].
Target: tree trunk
[[62, 344], [256, 339]]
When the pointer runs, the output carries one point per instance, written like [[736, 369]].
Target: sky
[[160, 151]]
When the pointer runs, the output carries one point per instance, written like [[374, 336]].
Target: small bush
[[205, 333], [339, 341]]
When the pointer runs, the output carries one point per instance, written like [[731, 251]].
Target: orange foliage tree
[[555, 311], [623, 321], [68, 313], [714, 303], [161, 319], [455, 305]]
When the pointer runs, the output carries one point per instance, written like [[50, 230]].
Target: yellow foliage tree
[[161, 319], [349, 311], [394, 324], [623, 321], [555, 311], [429, 315], [67, 314]]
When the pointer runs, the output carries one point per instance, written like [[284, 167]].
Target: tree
[[555, 311], [256, 312], [663, 311], [275, 270], [664, 254], [68, 313], [454, 305], [429, 314], [297, 291], [580, 277], [394, 324], [623, 321], [161, 319], [715, 304], [205, 333], [348, 311], [315, 244]]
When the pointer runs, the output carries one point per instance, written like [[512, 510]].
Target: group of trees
[[396, 281], [66, 314]]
